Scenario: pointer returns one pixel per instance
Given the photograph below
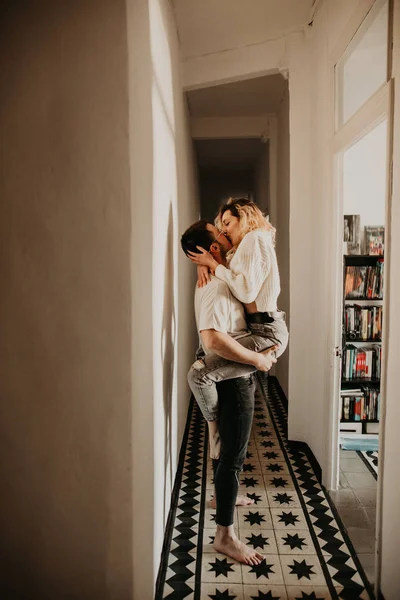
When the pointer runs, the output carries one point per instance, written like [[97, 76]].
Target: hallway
[[307, 551]]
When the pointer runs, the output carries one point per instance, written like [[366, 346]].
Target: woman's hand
[[203, 275], [204, 258]]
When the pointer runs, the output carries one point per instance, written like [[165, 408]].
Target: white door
[[361, 157]]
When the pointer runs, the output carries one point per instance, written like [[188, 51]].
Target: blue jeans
[[236, 407], [211, 369]]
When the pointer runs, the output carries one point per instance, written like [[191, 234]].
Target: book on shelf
[[360, 405], [364, 281], [362, 322], [361, 362]]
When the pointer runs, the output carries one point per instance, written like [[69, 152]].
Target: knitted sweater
[[253, 273]]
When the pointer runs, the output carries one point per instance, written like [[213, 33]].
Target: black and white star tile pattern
[[291, 522], [370, 458]]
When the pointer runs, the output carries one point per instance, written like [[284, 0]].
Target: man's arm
[[227, 347]]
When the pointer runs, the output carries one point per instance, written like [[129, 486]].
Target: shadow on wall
[[168, 357]]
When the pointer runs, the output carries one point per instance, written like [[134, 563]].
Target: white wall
[[163, 338], [262, 180], [390, 474], [364, 178]]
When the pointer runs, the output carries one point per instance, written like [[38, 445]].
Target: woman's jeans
[[236, 407], [211, 369]]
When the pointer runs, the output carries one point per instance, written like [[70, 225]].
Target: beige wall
[[282, 225], [65, 305], [96, 183]]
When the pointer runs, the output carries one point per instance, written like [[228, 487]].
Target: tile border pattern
[[346, 574], [370, 459], [181, 561]]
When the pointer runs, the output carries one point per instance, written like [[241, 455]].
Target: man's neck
[[219, 258]]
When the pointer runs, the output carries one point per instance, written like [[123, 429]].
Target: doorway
[[362, 157]]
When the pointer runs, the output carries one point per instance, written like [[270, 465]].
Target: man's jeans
[[211, 369], [236, 408]]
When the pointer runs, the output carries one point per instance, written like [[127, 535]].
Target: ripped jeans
[[211, 369]]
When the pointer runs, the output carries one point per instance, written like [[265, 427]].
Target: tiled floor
[[356, 503], [306, 551]]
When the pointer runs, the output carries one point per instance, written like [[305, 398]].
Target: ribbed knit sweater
[[253, 273]]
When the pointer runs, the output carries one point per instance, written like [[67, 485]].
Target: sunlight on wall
[[165, 296]]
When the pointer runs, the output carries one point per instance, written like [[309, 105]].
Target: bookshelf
[[361, 344]]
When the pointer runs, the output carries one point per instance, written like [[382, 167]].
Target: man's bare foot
[[240, 501], [227, 543]]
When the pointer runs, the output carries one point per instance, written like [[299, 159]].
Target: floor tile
[[343, 483], [295, 542], [259, 496], [288, 518], [361, 480], [210, 516], [208, 541], [268, 571], [254, 518], [260, 539], [353, 465], [271, 592], [298, 592], [304, 569], [251, 466], [368, 563], [366, 496], [249, 482], [221, 590], [181, 589], [219, 568], [363, 540], [354, 517], [268, 454], [347, 453], [278, 482], [345, 497], [283, 499], [274, 467]]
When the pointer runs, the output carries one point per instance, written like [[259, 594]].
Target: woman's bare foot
[[240, 501], [227, 543]]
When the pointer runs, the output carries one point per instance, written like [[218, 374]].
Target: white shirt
[[253, 273], [216, 308]]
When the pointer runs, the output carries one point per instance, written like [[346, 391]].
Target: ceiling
[[252, 97], [232, 153], [207, 26]]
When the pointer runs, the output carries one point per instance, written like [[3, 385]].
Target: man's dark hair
[[197, 235]]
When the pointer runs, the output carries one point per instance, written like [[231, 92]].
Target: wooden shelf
[[364, 299], [358, 340], [362, 421], [362, 260], [370, 381]]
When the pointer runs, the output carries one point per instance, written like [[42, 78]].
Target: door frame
[[378, 108]]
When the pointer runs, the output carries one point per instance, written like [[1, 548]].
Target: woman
[[253, 278]]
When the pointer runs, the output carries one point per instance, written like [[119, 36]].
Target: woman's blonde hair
[[249, 215]]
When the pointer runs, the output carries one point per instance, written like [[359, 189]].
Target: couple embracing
[[241, 331]]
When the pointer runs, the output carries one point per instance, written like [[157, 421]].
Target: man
[[221, 322]]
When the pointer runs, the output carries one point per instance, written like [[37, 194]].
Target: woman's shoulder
[[257, 237]]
